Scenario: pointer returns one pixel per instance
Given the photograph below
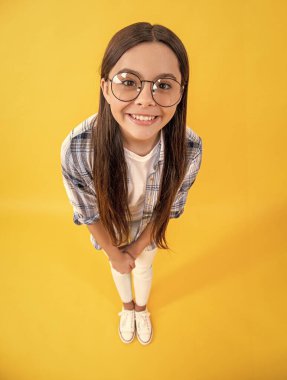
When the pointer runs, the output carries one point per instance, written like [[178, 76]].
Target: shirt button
[[151, 179]]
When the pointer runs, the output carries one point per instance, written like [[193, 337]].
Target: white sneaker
[[144, 329], [127, 325]]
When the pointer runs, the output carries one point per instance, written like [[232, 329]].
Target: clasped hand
[[127, 260]]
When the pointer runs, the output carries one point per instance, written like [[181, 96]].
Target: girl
[[127, 169]]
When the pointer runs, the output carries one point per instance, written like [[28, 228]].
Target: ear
[[105, 90]]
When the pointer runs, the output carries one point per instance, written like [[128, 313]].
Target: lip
[[143, 122], [141, 114]]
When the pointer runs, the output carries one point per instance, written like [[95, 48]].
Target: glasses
[[126, 86]]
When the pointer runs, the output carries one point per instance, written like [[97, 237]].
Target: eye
[[164, 84], [132, 83]]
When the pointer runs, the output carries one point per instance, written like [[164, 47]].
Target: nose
[[145, 96]]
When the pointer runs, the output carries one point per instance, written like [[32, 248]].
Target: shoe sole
[[124, 340]]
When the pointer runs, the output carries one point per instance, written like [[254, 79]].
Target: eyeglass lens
[[165, 91]]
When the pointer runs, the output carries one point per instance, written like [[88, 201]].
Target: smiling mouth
[[142, 121], [143, 117]]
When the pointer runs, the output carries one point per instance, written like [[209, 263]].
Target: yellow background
[[218, 301]]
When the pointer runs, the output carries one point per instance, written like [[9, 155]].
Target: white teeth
[[143, 117]]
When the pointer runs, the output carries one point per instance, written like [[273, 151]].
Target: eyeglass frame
[[153, 82]]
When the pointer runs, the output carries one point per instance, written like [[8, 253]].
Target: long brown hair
[[110, 170]]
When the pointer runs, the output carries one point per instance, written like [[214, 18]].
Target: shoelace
[[143, 321], [125, 315]]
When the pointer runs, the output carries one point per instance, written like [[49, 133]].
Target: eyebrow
[[162, 75]]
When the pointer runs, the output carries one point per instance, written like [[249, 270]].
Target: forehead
[[149, 59]]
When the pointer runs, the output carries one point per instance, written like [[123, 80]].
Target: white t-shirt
[[139, 168]]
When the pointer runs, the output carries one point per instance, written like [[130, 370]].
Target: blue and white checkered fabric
[[77, 170]]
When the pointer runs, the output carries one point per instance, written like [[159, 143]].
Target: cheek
[[172, 112], [118, 113], [118, 107], [115, 107], [168, 116], [169, 113]]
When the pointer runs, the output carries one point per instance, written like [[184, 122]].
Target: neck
[[141, 148]]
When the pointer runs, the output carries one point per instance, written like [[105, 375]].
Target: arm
[[136, 247], [81, 193], [102, 236], [190, 177], [120, 261], [82, 196]]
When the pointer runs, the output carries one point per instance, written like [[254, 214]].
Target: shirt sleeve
[[81, 194], [190, 177]]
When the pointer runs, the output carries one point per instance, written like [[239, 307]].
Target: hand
[[130, 249], [124, 264]]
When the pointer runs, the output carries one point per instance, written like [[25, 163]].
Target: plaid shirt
[[77, 171]]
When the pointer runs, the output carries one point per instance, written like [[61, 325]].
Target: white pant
[[142, 276]]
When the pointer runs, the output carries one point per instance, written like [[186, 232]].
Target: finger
[[130, 255]]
